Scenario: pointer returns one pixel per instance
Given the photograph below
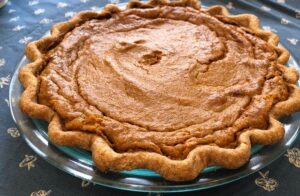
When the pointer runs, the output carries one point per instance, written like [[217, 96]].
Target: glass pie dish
[[79, 163]]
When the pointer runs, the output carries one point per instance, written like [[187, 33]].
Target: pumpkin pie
[[166, 86]]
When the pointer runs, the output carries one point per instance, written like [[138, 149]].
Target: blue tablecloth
[[22, 172]]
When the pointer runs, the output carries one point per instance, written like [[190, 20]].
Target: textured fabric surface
[[22, 172]]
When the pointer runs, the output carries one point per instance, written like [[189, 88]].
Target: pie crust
[[177, 142]]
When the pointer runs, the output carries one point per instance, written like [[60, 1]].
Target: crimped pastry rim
[[105, 157]]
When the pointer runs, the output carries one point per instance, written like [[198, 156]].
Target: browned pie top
[[165, 80]]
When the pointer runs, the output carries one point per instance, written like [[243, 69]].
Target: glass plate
[[79, 163]]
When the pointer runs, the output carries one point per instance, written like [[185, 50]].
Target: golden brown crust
[[177, 170]]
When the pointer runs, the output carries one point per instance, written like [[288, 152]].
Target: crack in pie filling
[[161, 85]]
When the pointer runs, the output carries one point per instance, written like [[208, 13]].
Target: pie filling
[[164, 79]]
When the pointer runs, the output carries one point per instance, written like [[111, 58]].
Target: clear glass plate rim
[[135, 187]]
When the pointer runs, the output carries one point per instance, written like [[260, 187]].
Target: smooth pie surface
[[165, 79]]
